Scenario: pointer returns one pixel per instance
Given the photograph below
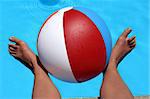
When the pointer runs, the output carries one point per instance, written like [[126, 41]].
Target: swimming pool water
[[23, 19]]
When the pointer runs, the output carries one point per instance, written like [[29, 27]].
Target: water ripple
[[43, 8]]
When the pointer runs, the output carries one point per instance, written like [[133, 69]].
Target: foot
[[123, 46], [22, 52]]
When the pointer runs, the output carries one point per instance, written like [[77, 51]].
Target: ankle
[[114, 59], [112, 66], [34, 66], [38, 70]]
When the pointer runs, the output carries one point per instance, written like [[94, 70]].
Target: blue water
[[23, 19]]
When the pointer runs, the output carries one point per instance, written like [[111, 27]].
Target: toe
[[126, 32], [16, 40], [13, 46], [132, 38], [133, 45], [13, 55], [12, 52], [132, 42]]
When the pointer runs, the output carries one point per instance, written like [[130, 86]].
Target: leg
[[43, 86], [113, 86]]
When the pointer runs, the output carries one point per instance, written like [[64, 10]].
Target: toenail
[[11, 37], [129, 28]]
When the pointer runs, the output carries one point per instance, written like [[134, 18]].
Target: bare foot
[[22, 52], [123, 46]]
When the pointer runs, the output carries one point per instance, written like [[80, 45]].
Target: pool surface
[[23, 19]]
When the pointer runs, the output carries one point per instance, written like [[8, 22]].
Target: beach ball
[[74, 44]]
